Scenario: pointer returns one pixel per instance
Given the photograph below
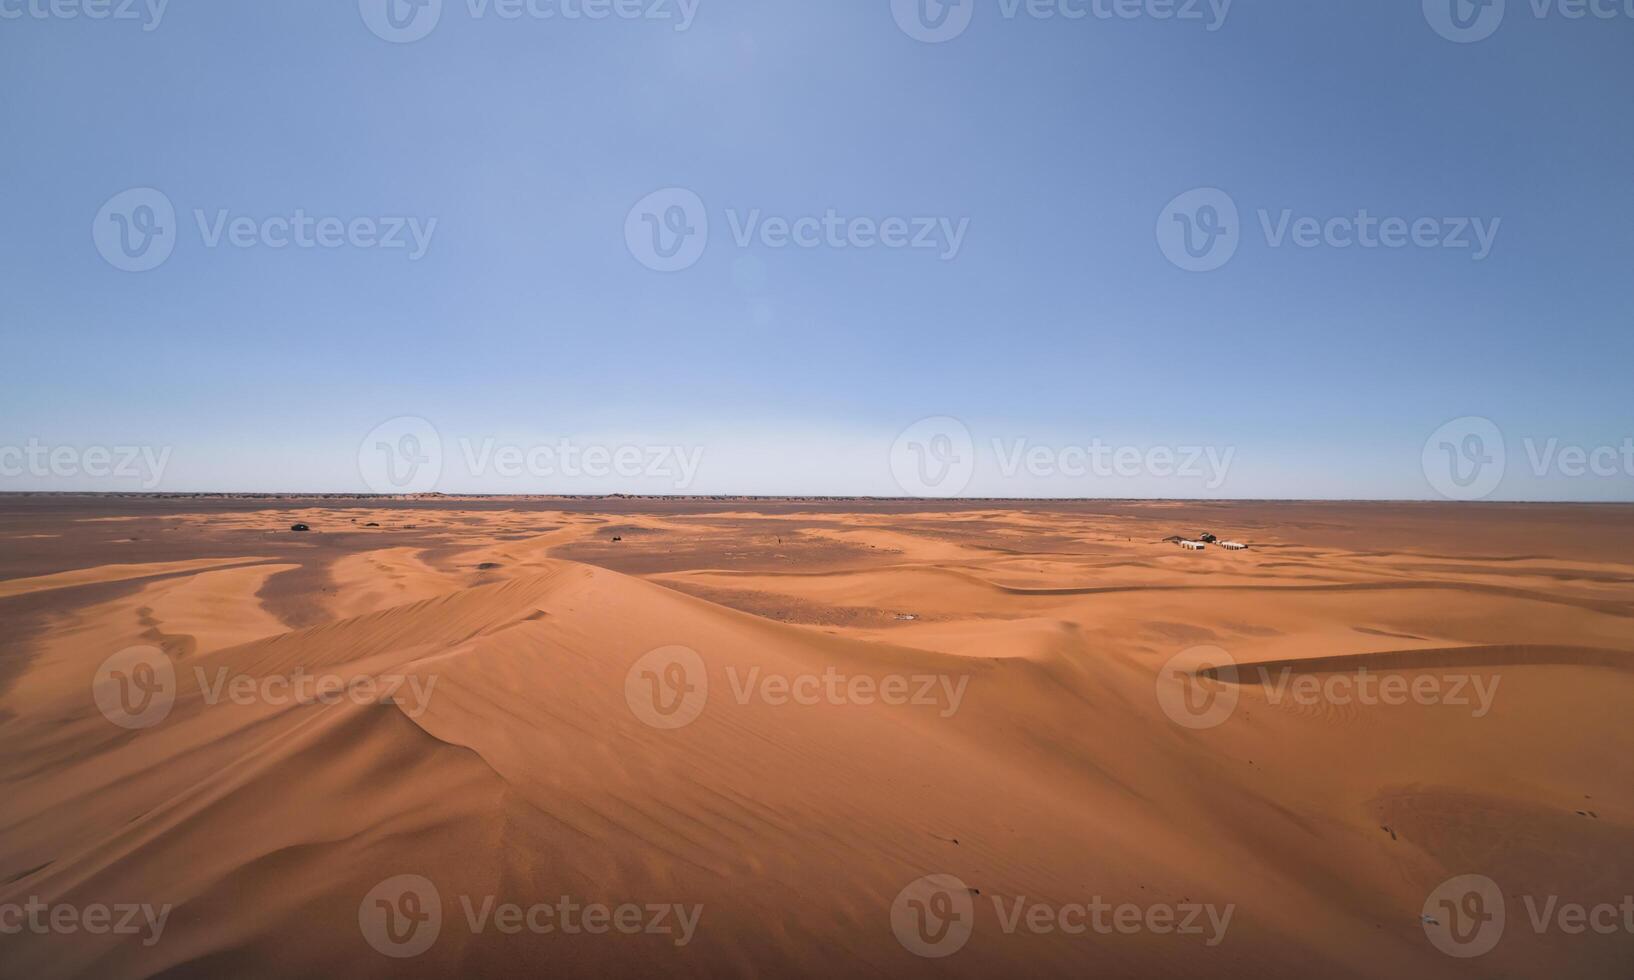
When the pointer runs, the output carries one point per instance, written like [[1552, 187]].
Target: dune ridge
[[499, 746]]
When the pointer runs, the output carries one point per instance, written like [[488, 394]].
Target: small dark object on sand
[[487, 566], [299, 527], [371, 524], [617, 539]]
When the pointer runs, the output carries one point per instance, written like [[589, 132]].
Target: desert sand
[[748, 728]]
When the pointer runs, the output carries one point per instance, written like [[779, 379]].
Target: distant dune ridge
[[795, 738]]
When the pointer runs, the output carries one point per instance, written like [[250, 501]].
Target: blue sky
[[1055, 144]]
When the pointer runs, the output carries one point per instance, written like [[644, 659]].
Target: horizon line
[[703, 497]]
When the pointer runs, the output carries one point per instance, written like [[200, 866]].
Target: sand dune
[[107, 573], [1486, 655], [508, 707]]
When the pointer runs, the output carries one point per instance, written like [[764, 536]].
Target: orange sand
[[520, 756]]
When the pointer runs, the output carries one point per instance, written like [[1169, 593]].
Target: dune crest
[[786, 733]]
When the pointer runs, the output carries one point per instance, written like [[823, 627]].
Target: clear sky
[[1072, 302]]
